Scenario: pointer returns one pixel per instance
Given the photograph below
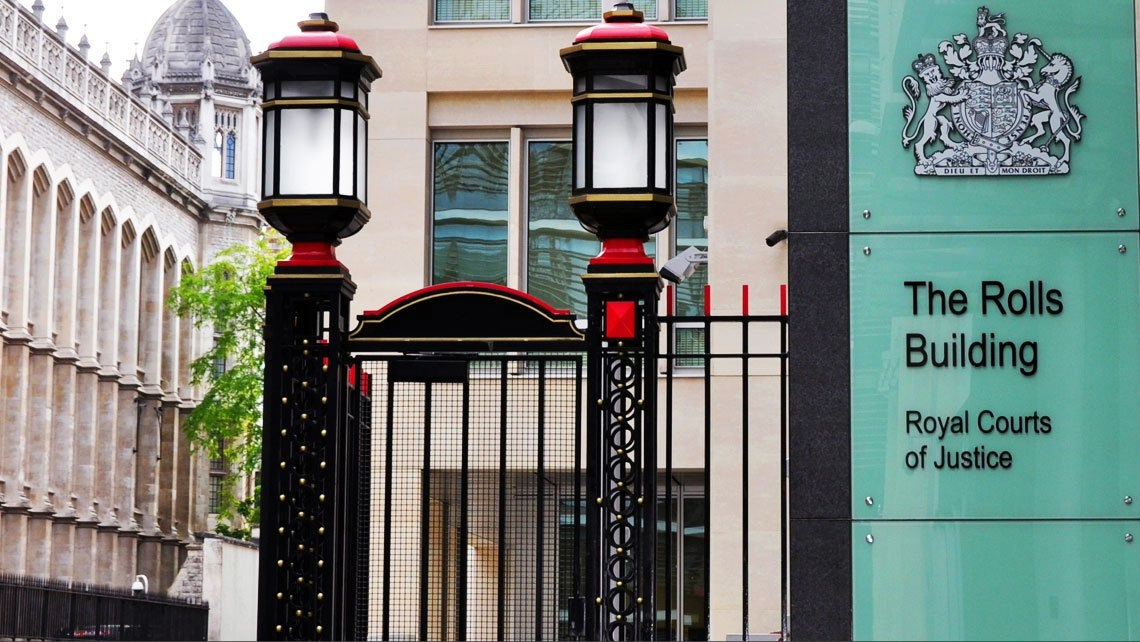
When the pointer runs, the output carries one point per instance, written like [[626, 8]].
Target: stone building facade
[[110, 192]]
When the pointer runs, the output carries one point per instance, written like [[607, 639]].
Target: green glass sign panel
[[995, 375], [1017, 117], [1031, 580]]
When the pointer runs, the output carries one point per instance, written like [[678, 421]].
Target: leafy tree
[[228, 297]]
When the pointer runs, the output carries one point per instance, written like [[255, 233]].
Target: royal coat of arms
[[1002, 106]]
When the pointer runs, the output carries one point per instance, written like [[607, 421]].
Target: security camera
[[681, 267], [140, 586]]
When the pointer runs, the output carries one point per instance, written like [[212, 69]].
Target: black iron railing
[[35, 609], [476, 499]]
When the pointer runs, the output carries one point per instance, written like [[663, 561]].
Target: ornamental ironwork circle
[[620, 568], [613, 628], [622, 402], [622, 371], [620, 535], [621, 503], [621, 469], [620, 601], [1001, 106], [622, 436]]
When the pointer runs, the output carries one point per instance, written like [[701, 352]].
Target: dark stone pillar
[[819, 438]]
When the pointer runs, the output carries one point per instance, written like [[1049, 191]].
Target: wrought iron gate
[[473, 431], [475, 486], [469, 400]]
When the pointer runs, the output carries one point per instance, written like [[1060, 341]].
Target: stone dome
[[191, 32]]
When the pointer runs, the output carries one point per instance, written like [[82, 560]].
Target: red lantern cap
[[623, 23], [318, 32]]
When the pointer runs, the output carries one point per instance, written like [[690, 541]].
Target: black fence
[[34, 609], [476, 498]]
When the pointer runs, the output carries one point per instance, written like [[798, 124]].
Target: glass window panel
[[269, 159], [218, 156], [647, 7], [692, 196], [691, 9], [660, 173], [361, 157], [583, 9], [580, 151], [306, 151], [472, 10], [469, 204], [231, 155], [682, 547], [347, 173], [564, 10], [620, 145], [558, 249], [689, 340], [216, 489]]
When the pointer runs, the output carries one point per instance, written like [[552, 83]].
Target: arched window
[[216, 158], [231, 153], [224, 160]]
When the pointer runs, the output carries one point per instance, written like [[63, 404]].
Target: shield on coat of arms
[[994, 112]]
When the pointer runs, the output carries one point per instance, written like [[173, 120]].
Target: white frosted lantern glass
[[306, 153], [660, 174], [619, 83], [347, 153], [270, 165], [580, 146], [621, 147], [307, 88], [361, 159]]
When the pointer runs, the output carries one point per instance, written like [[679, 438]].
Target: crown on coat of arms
[[923, 62], [990, 46]]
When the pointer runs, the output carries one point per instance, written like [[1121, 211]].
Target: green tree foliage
[[227, 296]]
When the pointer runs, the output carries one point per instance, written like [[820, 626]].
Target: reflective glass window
[[692, 195], [558, 248], [469, 212]]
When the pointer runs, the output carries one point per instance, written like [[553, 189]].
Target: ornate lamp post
[[624, 72], [316, 87]]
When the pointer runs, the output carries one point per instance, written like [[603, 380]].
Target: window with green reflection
[[469, 212], [558, 248], [692, 196], [472, 10]]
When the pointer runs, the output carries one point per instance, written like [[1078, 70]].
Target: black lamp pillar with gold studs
[[623, 73], [314, 171]]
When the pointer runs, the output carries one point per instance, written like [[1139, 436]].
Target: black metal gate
[[469, 400], [473, 431], [475, 486]]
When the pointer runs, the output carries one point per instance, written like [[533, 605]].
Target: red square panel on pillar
[[621, 319]]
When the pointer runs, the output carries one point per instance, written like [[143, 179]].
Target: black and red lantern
[[624, 72], [315, 105]]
